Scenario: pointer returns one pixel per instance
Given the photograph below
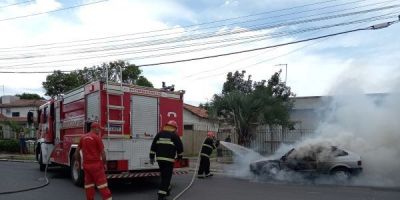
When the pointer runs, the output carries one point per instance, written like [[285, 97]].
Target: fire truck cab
[[131, 115]]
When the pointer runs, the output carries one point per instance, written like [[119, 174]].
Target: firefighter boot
[[162, 197], [209, 175], [169, 191]]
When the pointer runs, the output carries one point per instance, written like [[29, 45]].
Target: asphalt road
[[16, 175]]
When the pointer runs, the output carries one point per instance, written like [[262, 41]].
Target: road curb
[[12, 160]]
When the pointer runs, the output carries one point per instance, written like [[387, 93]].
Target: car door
[[306, 163]]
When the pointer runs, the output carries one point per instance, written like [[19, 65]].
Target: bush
[[9, 145]]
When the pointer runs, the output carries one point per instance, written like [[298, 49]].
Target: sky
[[154, 31]]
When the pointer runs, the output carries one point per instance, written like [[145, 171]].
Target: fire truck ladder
[[116, 92]]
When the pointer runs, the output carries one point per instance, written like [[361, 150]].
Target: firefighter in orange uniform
[[94, 163], [166, 145]]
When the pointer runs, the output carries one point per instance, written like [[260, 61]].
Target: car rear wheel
[[341, 175]]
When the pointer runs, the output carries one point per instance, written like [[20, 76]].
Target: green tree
[[29, 96], [245, 104], [236, 82], [58, 82]]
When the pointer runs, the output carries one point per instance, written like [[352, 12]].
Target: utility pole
[[285, 70]]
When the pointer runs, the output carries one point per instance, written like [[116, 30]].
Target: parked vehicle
[[312, 161], [131, 115]]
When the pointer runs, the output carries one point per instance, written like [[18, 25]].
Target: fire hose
[[34, 187], [193, 177]]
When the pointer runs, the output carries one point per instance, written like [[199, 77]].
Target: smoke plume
[[368, 125]]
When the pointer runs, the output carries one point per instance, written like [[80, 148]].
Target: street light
[[285, 70]]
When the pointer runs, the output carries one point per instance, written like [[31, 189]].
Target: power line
[[175, 53], [267, 47], [31, 72], [51, 11], [189, 37], [257, 63], [14, 4], [373, 27], [189, 51], [154, 42], [255, 37], [168, 29]]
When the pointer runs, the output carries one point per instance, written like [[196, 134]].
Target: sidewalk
[[17, 157], [215, 166]]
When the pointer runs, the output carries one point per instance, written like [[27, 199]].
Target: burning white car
[[312, 160]]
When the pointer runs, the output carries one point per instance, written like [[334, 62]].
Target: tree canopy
[[29, 96], [59, 82], [245, 103]]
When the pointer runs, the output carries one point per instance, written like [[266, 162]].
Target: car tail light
[[359, 163]]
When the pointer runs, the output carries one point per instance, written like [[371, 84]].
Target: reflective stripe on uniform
[[166, 159], [152, 152], [102, 186], [89, 186], [181, 154], [206, 145], [165, 142], [162, 192], [203, 154]]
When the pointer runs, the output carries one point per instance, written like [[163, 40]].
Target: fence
[[193, 139], [267, 141]]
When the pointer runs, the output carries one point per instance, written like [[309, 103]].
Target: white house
[[306, 112], [196, 118], [15, 110]]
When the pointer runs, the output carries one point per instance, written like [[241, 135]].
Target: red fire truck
[[131, 115]]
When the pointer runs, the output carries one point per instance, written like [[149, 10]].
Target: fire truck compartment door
[[144, 117], [93, 106]]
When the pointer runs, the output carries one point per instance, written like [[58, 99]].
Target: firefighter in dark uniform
[[210, 143], [165, 147]]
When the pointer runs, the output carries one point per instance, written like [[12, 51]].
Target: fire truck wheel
[[42, 166], [76, 172]]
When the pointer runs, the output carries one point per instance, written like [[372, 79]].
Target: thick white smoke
[[368, 125]]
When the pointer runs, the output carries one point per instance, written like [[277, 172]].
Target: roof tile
[[196, 110]]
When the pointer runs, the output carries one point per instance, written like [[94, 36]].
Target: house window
[[15, 114], [8, 111], [188, 127]]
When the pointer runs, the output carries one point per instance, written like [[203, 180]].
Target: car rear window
[[340, 152]]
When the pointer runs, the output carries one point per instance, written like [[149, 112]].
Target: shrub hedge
[[10, 145]]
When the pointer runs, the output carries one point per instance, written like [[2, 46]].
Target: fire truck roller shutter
[[145, 116], [93, 107], [144, 122]]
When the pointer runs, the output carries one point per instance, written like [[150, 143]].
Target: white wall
[[23, 111], [198, 122]]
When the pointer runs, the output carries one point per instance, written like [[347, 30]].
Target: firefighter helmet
[[210, 134], [172, 123]]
